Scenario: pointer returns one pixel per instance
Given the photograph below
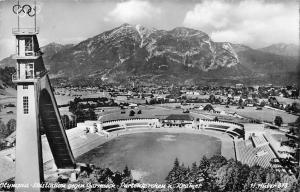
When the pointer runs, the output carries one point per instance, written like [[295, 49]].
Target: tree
[[240, 175], [66, 121], [183, 174], [278, 120], [272, 176], [297, 122], [174, 175], [176, 163], [3, 128], [126, 177], [126, 171], [273, 101], [73, 122], [290, 179], [152, 102], [79, 115], [216, 162], [241, 103], [194, 178], [295, 93], [212, 98], [5, 76], [139, 112], [296, 185], [208, 107], [117, 178], [203, 172], [226, 176], [11, 126], [72, 107], [90, 114], [255, 176], [131, 113]]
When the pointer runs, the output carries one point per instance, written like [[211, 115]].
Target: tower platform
[[25, 31]]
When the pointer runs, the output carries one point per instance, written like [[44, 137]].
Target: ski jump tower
[[36, 108]]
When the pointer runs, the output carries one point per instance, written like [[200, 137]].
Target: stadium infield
[[150, 152]]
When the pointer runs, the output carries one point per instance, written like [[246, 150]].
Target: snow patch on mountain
[[90, 48], [228, 47]]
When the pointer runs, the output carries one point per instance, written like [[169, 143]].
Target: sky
[[256, 23]]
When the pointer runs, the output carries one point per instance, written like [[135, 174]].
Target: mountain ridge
[[127, 43], [181, 53], [285, 49]]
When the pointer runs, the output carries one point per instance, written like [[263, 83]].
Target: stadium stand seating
[[116, 129], [259, 141], [261, 155], [218, 126], [110, 127]]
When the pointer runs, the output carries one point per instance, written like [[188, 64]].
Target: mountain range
[[282, 49], [181, 55]]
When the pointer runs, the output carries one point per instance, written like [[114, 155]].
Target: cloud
[[132, 11], [253, 22], [208, 15], [6, 45]]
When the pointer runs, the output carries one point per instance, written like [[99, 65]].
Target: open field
[[287, 100], [264, 114], [249, 112], [147, 112], [151, 155], [280, 137], [63, 99]]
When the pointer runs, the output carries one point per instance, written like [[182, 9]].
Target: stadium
[[149, 145], [248, 143]]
